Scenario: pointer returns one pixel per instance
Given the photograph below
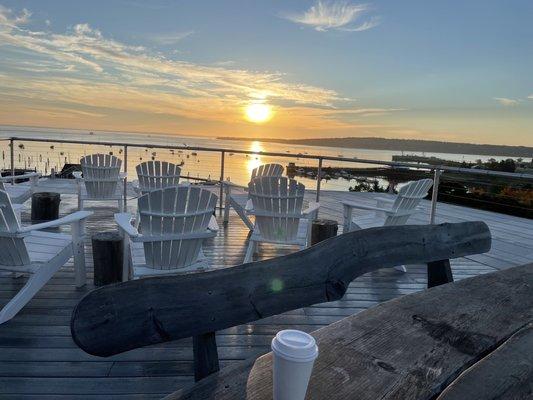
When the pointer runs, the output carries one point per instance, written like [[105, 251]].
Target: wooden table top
[[471, 339]]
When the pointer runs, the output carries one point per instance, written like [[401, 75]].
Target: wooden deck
[[39, 360]]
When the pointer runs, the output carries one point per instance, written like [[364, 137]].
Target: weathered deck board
[[37, 343]]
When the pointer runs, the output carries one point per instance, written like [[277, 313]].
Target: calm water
[[45, 156]]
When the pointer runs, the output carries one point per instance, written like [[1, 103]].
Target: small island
[[429, 146]]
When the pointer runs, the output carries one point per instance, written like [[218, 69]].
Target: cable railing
[[217, 164]]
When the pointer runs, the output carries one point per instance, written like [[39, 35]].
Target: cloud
[[169, 39], [371, 23], [530, 97], [334, 15], [9, 20], [82, 67], [504, 101], [225, 63]]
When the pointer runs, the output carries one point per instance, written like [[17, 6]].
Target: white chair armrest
[[363, 207], [77, 175], [384, 199], [66, 220], [123, 221], [122, 175], [400, 213], [311, 209], [28, 175]]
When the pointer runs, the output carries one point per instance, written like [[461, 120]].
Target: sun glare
[[258, 112], [254, 160]]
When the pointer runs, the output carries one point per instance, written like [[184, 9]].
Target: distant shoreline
[[429, 146]]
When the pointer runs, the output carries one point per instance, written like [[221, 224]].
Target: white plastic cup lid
[[295, 345]]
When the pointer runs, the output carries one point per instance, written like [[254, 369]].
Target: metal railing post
[[12, 155], [318, 179], [220, 202], [126, 176], [434, 195]]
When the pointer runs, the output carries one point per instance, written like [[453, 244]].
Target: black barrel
[[107, 258], [323, 229], [45, 206]]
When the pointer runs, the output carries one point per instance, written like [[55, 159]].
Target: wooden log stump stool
[[107, 258], [45, 206], [323, 229]]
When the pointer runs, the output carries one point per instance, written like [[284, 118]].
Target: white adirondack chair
[[154, 175], [101, 176], [19, 193], [238, 201], [174, 223], [276, 203], [388, 212], [28, 250]]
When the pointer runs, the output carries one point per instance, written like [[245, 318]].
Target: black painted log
[[107, 258], [439, 273], [323, 229], [205, 355], [45, 206], [125, 316]]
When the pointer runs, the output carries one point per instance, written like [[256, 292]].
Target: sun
[[258, 112]]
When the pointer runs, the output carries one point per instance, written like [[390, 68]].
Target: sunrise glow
[[258, 112]]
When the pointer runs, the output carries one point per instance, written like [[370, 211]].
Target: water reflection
[[254, 160]]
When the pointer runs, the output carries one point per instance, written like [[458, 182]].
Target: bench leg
[[439, 273], [205, 355]]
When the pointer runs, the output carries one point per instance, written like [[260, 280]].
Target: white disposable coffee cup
[[294, 353]]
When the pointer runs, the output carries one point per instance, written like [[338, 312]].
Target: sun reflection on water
[[254, 160]]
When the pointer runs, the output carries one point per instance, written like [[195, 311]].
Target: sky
[[435, 70]]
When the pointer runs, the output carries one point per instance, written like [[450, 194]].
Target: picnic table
[[471, 339]]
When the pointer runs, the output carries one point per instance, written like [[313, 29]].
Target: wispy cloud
[[10, 20], [530, 97], [334, 15], [84, 68], [169, 39], [504, 101], [224, 63]]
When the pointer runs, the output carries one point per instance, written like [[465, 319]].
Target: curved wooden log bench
[[125, 316], [469, 340]]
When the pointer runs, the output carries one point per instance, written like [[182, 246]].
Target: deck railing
[[436, 170]]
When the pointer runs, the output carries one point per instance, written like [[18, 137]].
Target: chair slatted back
[[277, 203], [100, 174], [155, 175], [13, 251], [408, 198], [174, 211], [267, 170]]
